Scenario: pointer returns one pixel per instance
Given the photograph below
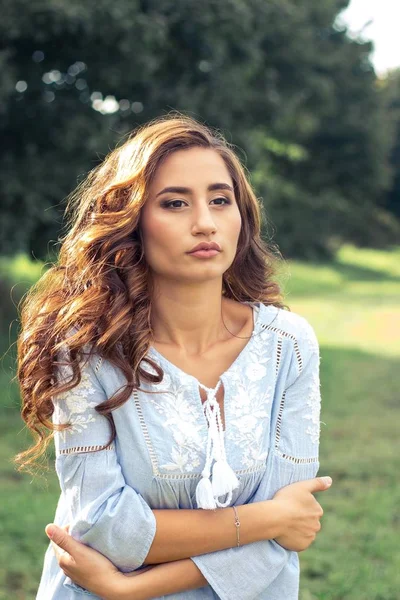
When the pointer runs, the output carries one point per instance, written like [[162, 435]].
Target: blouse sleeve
[[104, 512], [248, 571]]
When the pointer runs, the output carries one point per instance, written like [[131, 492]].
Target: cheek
[[160, 236], [235, 226]]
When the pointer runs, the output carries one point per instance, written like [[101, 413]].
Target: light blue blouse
[[272, 422]]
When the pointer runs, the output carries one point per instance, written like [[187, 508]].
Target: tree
[[390, 89], [294, 94]]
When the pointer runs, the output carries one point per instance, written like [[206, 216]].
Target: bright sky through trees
[[376, 20]]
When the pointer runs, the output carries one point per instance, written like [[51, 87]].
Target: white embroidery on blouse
[[247, 427], [249, 411], [313, 392], [251, 389], [250, 403], [314, 404], [73, 405], [181, 419]]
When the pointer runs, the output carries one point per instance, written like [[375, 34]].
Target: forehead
[[195, 166]]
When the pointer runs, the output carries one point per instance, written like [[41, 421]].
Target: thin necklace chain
[[244, 337], [241, 337]]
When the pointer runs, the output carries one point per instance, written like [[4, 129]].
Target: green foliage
[[390, 90], [17, 275], [291, 91]]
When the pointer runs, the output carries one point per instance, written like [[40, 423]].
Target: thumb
[[321, 483], [60, 537]]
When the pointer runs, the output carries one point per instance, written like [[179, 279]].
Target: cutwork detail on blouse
[[279, 421], [283, 333], [313, 403], [295, 459], [278, 355], [98, 364], [153, 456], [80, 449], [145, 431]]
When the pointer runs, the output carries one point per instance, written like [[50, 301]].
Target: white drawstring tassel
[[204, 494], [224, 479]]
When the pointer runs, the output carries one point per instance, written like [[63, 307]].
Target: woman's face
[[173, 222]]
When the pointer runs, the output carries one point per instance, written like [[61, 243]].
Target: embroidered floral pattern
[[256, 371], [181, 419], [74, 405], [313, 391], [314, 405], [250, 384], [250, 404], [250, 399]]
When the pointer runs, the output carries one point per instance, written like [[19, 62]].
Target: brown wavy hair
[[99, 287]]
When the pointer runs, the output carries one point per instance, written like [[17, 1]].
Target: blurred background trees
[[318, 131]]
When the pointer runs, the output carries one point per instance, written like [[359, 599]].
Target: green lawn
[[354, 305]]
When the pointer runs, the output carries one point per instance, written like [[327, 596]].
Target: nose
[[203, 221]]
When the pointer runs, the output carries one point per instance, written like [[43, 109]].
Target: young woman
[[183, 396]]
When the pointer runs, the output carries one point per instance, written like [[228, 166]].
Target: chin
[[198, 275]]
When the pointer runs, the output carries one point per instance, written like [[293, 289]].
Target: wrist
[[271, 519], [278, 519], [122, 588]]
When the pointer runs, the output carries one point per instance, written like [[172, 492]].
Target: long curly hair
[[99, 287]]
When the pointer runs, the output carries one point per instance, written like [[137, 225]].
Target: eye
[[168, 204], [227, 201]]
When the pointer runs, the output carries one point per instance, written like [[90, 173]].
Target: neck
[[188, 316]]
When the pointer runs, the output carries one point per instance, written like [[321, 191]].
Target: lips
[[206, 246]]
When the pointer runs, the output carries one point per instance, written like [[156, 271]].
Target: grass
[[354, 307], [353, 304]]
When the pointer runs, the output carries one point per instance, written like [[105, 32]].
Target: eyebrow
[[186, 190]]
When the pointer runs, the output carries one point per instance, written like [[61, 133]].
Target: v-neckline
[[256, 307]]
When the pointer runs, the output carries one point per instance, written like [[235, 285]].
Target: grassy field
[[354, 305]]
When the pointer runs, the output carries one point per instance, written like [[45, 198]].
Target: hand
[[300, 512], [85, 566]]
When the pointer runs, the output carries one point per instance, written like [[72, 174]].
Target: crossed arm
[[179, 532], [177, 535]]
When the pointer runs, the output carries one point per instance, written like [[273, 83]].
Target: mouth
[[208, 246], [204, 252]]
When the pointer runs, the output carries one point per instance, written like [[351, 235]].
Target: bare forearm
[[190, 532], [170, 578]]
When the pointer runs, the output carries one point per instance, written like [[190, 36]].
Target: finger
[[61, 537], [58, 552], [318, 484]]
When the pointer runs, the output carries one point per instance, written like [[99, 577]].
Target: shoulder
[[290, 325]]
